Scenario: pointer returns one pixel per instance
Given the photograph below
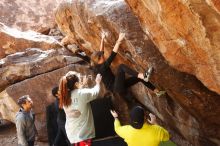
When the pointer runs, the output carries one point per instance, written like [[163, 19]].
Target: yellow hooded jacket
[[148, 135]]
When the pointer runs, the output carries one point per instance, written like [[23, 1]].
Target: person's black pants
[[31, 143], [121, 83], [61, 137]]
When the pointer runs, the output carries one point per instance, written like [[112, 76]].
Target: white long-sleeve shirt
[[79, 119]]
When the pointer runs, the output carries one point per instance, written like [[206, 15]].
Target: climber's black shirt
[[104, 69]]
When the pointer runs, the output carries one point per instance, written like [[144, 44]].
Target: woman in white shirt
[[74, 99]]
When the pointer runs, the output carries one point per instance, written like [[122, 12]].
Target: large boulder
[[186, 34], [189, 108], [13, 40], [32, 62], [28, 15]]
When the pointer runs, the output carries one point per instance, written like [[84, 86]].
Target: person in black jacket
[[51, 116], [56, 120], [118, 83]]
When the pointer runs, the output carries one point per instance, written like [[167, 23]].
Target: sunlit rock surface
[[186, 33], [215, 4], [37, 15], [32, 62], [8, 107], [13, 40], [189, 108]]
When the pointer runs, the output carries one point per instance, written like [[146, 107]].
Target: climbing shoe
[[148, 73], [160, 93]]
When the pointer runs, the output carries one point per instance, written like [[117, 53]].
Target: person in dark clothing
[[103, 120], [118, 83], [56, 125], [51, 123]]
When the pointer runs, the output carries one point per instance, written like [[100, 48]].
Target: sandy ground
[[8, 136]]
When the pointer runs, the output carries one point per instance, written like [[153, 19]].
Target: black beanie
[[137, 117]]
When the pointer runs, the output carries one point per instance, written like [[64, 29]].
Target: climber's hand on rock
[[114, 114], [121, 37]]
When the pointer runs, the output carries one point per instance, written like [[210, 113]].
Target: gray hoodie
[[26, 129]]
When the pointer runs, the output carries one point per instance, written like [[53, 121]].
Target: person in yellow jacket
[[139, 132]]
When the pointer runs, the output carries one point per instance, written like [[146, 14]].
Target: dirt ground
[[8, 136]]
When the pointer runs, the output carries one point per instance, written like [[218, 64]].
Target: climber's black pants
[[121, 83]]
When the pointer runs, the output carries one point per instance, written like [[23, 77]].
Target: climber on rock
[[119, 84]]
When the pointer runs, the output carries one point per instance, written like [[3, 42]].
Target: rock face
[[13, 40], [190, 109], [215, 4], [22, 65], [28, 15], [186, 34], [8, 107], [39, 88]]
